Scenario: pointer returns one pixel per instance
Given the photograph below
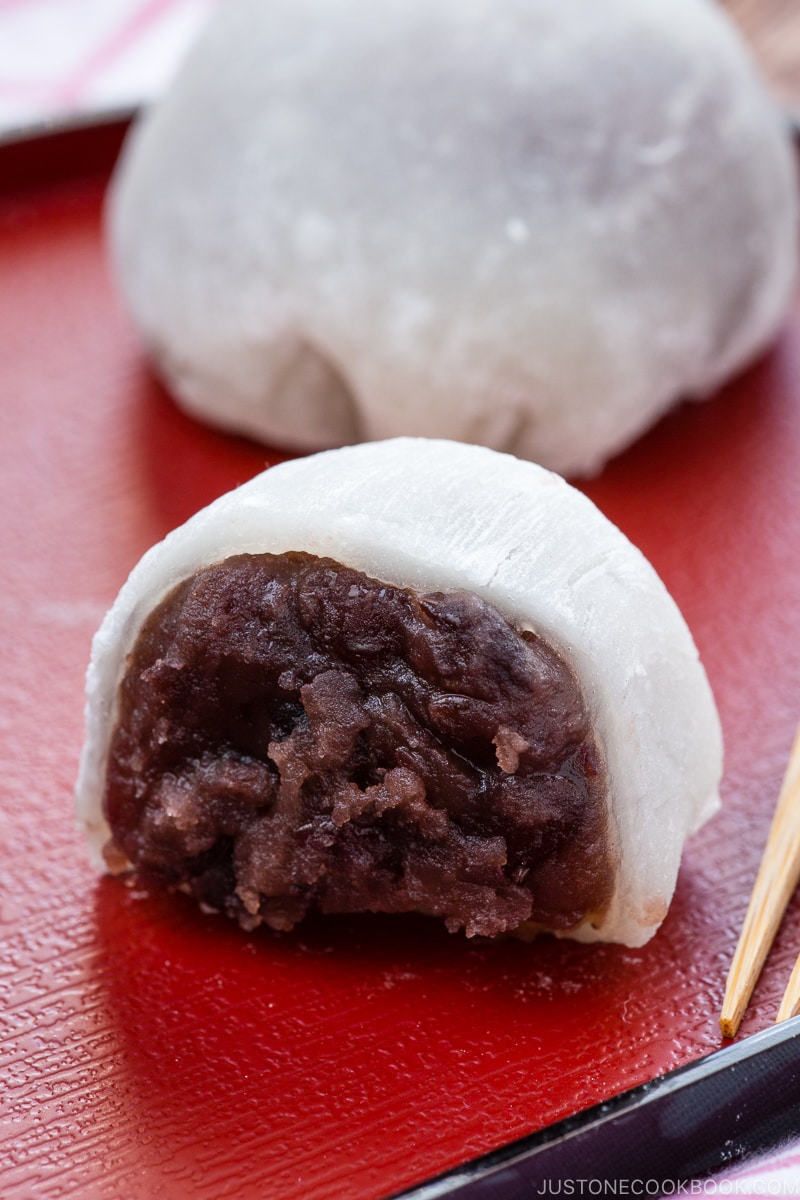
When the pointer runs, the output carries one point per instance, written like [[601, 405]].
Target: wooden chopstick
[[775, 883], [790, 1004]]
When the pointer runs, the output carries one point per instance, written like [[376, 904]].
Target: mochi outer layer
[[436, 515], [531, 224]]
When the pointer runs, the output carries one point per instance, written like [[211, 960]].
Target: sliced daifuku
[[404, 675]]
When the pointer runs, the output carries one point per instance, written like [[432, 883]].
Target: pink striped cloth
[[63, 58]]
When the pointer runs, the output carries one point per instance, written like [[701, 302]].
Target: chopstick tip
[[728, 1026], [790, 1004], [777, 878]]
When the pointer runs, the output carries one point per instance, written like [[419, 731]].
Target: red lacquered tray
[[147, 1050]]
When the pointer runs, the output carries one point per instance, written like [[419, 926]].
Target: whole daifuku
[[533, 224]]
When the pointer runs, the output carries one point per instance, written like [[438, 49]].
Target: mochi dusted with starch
[[531, 224], [408, 675]]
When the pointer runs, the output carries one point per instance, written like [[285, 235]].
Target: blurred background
[[71, 58], [64, 58], [773, 29]]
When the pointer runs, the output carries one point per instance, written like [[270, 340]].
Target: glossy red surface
[[147, 1050]]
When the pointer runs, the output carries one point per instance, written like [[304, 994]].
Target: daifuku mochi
[[532, 224], [406, 675]]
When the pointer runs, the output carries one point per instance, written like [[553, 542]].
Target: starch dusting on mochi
[[532, 224], [410, 675]]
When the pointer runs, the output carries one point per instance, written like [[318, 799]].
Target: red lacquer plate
[[147, 1050]]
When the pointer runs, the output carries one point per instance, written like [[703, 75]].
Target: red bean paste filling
[[296, 735]]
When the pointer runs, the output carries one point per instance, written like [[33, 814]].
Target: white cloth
[[62, 58]]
